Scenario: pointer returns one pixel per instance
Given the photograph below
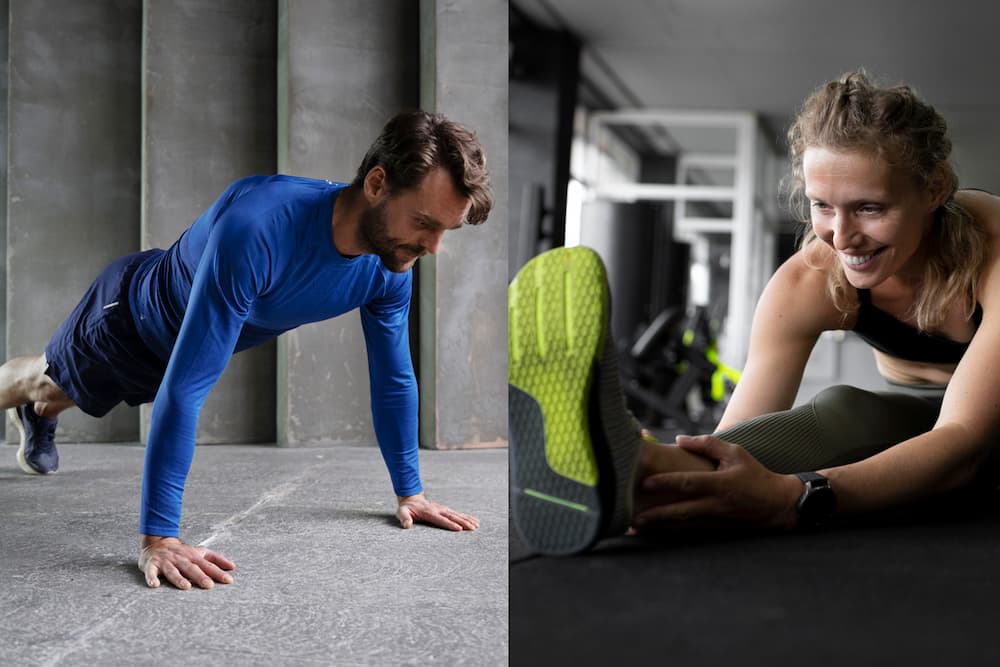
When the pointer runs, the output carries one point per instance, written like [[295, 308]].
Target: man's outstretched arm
[[394, 410], [225, 285]]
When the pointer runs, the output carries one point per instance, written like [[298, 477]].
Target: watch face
[[818, 505]]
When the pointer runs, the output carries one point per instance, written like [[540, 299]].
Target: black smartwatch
[[818, 501]]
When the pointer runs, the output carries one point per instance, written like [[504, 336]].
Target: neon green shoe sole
[[574, 445]]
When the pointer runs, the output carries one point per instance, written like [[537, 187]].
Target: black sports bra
[[898, 339]]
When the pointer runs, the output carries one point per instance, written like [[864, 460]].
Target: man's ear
[[375, 184]]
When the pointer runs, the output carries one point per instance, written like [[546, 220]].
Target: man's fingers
[[218, 559], [436, 515], [183, 565], [215, 572], [152, 573], [197, 573], [174, 576], [203, 574], [463, 521], [440, 519], [150, 568]]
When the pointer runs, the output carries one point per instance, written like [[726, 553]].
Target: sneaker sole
[[568, 486], [21, 461]]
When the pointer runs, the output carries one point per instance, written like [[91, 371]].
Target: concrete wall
[[73, 170], [344, 68], [4, 88], [209, 106], [463, 291]]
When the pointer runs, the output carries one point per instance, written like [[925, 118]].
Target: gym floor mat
[[913, 587]]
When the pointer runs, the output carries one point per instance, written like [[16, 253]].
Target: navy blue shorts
[[96, 356]]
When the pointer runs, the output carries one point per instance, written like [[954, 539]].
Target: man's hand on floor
[[182, 564], [418, 508]]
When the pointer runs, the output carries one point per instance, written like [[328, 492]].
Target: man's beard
[[374, 237]]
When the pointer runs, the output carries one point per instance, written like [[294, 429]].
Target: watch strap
[[809, 477]]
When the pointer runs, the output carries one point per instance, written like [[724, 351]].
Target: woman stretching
[[894, 252]]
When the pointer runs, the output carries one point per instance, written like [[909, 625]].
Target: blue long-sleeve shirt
[[258, 262]]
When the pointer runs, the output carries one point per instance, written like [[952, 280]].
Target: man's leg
[[23, 380], [94, 360], [33, 401]]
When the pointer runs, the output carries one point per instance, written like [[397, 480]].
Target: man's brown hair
[[413, 143]]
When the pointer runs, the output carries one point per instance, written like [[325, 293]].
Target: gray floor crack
[[225, 527], [83, 641]]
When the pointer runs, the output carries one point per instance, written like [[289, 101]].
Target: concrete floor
[[324, 575]]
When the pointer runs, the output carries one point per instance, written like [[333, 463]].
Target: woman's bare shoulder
[[800, 290], [982, 205]]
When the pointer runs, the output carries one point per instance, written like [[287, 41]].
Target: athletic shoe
[[37, 454], [574, 444]]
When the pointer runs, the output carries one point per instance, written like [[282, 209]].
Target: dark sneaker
[[574, 444], [37, 454]]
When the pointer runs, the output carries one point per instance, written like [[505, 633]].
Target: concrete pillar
[[209, 105], [344, 67], [73, 170], [463, 291], [4, 89]]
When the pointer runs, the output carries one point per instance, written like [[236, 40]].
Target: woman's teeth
[[857, 260]]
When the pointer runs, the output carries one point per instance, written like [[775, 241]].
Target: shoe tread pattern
[[558, 310], [557, 318]]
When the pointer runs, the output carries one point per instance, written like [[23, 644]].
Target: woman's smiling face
[[874, 216]]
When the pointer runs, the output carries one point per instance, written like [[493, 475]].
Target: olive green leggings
[[840, 425]]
